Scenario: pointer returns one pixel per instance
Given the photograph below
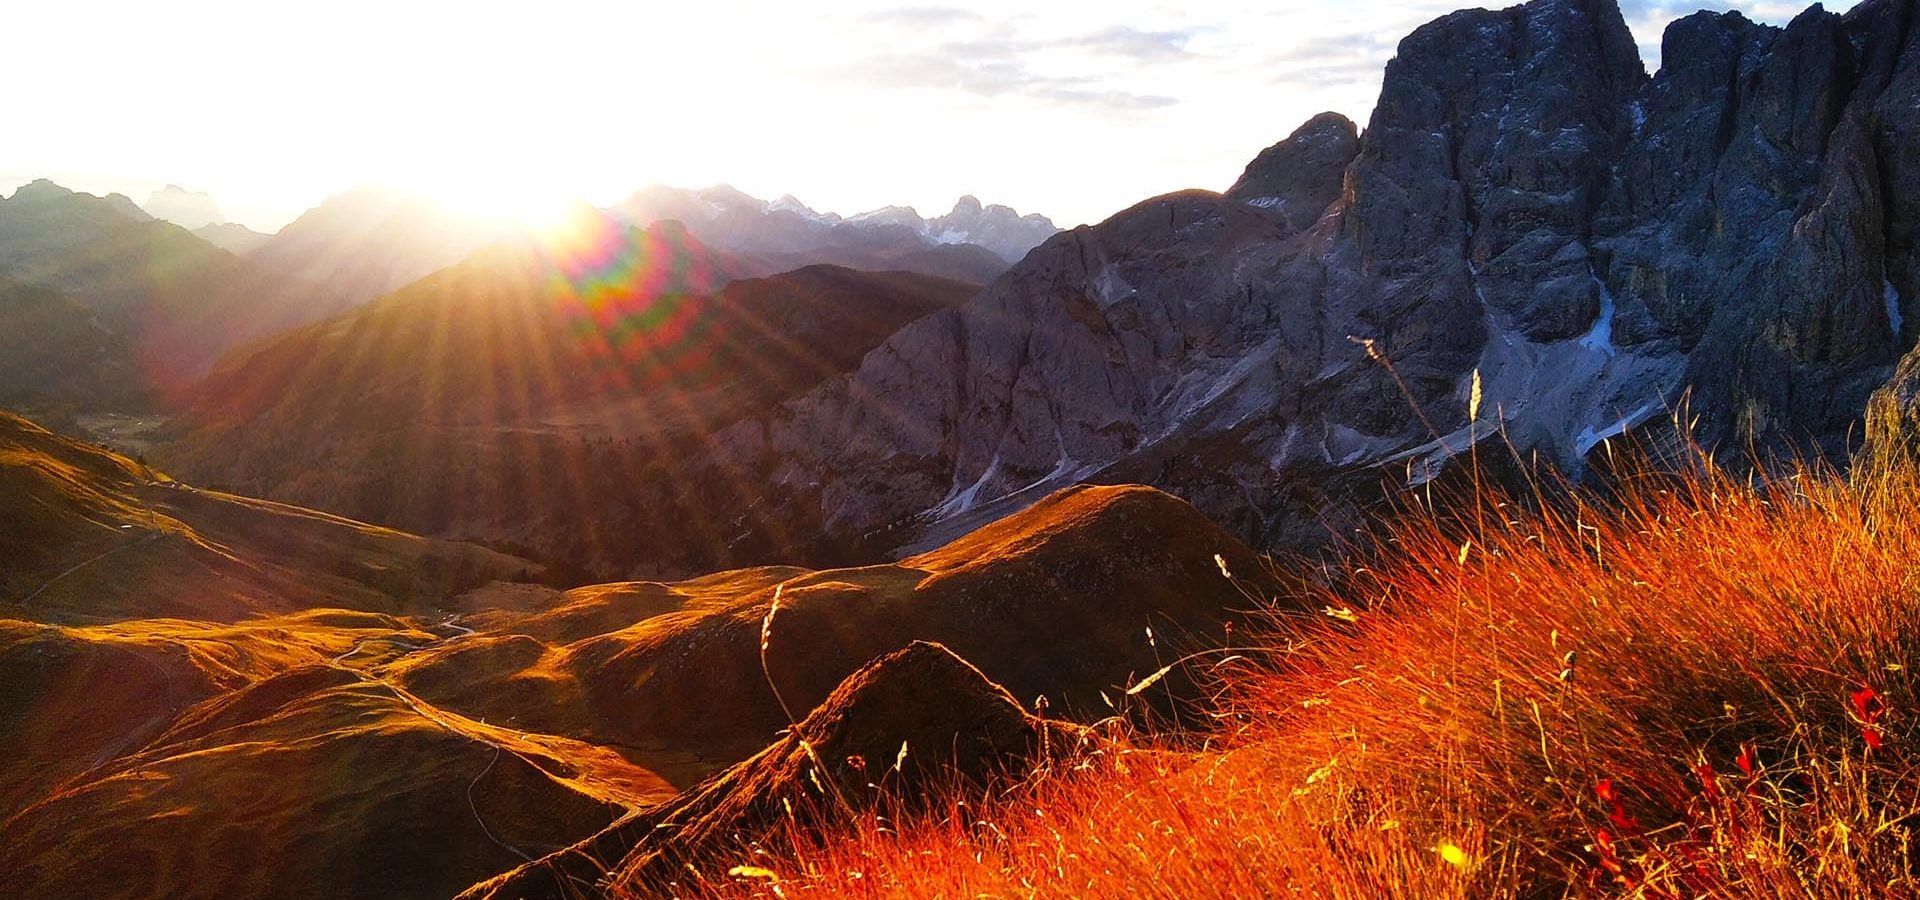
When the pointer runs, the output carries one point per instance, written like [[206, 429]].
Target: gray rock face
[[1748, 222], [1525, 203], [1490, 141], [1296, 179]]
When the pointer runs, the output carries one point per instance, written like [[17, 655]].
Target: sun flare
[[534, 207]]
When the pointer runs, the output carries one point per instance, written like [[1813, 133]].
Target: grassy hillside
[[178, 662], [54, 350], [1705, 691], [89, 536], [207, 696]]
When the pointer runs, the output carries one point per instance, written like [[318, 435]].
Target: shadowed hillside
[[541, 396], [939, 720], [55, 351], [169, 301], [176, 659]]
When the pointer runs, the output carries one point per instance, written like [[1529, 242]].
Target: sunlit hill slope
[[336, 710]]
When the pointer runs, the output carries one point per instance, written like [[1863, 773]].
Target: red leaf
[[1626, 823], [1709, 785], [1867, 705]]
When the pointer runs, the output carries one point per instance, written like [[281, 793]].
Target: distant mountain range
[[168, 290], [728, 219], [233, 237], [1528, 210], [170, 298]]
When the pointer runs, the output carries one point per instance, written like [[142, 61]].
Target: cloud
[[1134, 43], [989, 76], [922, 16], [948, 49]]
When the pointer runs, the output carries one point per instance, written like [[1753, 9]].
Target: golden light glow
[[537, 208]]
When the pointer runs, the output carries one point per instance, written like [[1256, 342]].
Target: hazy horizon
[[1075, 112]]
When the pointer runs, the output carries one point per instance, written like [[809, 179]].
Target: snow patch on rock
[[1892, 299], [1560, 397], [1600, 338], [961, 499], [1589, 438]]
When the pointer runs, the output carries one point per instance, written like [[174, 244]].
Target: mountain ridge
[[732, 220], [1232, 352]]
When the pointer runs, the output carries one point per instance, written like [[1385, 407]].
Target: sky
[[1069, 108]]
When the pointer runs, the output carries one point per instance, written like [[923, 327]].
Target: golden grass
[[1703, 689]]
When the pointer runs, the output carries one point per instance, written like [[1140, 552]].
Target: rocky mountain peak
[[790, 203], [904, 216], [1297, 178], [727, 196], [43, 196], [999, 228], [39, 190], [191, 210]]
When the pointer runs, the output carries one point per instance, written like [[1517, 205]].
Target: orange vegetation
[[1705, 689]]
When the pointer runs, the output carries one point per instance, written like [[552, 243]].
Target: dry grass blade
[[766, 641]]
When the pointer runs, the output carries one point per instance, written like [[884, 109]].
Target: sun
[[534, 210], [531, 207]]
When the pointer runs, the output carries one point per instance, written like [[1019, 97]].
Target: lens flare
[[632, 299]]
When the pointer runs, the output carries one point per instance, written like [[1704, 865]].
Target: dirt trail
[[149, 536]]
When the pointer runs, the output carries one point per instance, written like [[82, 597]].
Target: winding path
[[426, 711], [147, 538]]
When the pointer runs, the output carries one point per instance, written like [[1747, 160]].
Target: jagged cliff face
[[1761, 221], [1526, 202]]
